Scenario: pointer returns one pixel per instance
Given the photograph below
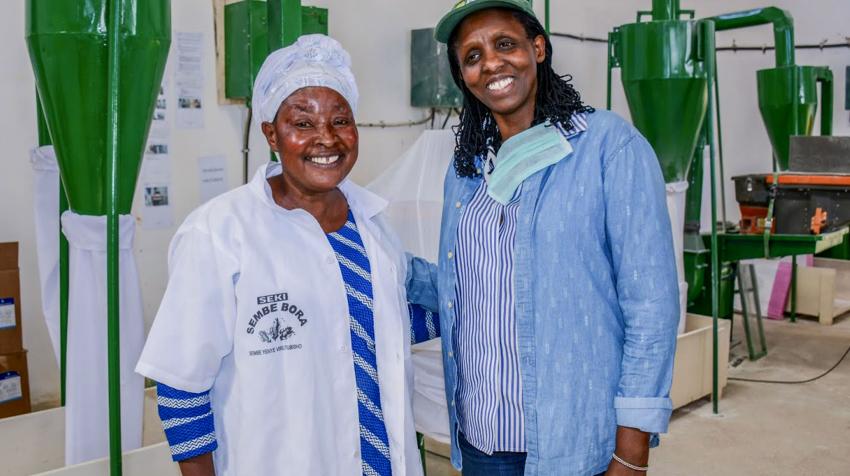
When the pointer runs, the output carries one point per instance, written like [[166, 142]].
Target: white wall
[[376, 32]]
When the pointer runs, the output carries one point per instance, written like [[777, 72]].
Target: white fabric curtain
[[414, 188], [87, 402], [676, 194], [46, 204]]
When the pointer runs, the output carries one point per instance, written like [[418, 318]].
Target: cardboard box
[[14, 384], [11, 337], [692, 371]]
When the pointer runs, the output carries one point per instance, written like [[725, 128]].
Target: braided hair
[[556, 101]]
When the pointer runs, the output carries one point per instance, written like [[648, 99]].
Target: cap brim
[[452, 19]]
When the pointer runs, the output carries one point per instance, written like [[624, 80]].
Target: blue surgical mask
[[522, 156]]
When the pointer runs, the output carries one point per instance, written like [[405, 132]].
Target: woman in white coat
[[282, 342]]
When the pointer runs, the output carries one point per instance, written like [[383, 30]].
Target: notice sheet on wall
[[212, 174], [189, 80]]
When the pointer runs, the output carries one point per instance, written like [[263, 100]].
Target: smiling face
[[498, 63], [315, 134]]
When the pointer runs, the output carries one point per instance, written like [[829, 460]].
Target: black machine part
[[797, 204], [820, 154], [752, 190]]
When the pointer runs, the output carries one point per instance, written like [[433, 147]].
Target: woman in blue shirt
[[556, 283]]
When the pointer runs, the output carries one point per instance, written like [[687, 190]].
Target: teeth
[[500, 84], [323, 160]]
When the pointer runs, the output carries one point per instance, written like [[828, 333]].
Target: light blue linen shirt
[[596, 298]]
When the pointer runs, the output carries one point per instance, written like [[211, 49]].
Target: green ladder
[[747, 290]]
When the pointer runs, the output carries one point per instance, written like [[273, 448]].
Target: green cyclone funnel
[[665, 82], [788, 103], [787, 94], [67, 42]]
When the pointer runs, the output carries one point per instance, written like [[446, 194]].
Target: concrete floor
[[762, 429]]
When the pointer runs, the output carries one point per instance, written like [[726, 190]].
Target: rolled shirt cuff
[[651, 415]]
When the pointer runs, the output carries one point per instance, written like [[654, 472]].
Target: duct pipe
[[783, 28], [665, 10], [284, 22]]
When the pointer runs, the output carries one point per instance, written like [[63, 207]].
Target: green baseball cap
[[464, 8]]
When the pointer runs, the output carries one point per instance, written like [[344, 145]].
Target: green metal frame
[[737, 247], [112, 235], [420, 442], [707, 35]]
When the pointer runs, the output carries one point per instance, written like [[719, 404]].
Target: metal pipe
[[284, 19], [64, 273], [43, 140], [611, 41], [707, 32], [794, 288], [719, 144], [43, 132], [665, 10], [783, 28], [824, 76], [112, 235]]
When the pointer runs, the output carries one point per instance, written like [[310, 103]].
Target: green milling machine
[[98, 65], [669, 75]]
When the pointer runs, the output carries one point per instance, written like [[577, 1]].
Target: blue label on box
[[10, 387], [7, 313]]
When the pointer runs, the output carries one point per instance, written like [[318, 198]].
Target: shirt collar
[[359, 199], [579, 125]]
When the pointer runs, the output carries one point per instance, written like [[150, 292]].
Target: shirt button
[[329, 260], [450, 305], [457, 204], [478, 171], [453, 403], [451, 354], [451, 255]]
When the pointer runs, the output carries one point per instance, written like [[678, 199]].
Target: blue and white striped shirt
[[489, 388], [489, 392]]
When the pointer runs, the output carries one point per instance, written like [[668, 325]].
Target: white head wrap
[[313, 60]]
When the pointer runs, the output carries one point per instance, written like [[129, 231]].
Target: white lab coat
[[286, 406]]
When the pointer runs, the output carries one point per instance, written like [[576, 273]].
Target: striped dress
[[187, 417]]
